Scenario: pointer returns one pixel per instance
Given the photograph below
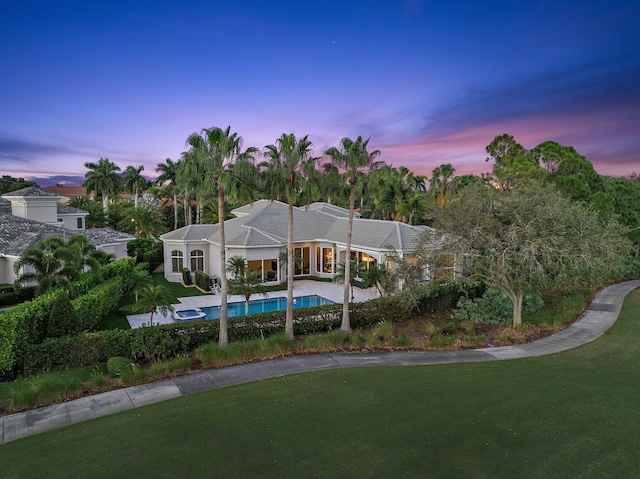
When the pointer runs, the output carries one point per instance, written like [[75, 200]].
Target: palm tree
[[47, 262], [356, 269], [355, 160], [78, 254], [97, 217], [414, 204], [389, 191], [288, 170], [244, 282], [134, 182], [154, 298], [441, 182], [169, 176], [218, 158], [138, 280], [143, 222], [102, 179]]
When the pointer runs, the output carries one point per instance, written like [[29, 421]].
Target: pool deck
[[331, 291]]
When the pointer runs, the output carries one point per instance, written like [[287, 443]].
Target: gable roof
[[265, 224]]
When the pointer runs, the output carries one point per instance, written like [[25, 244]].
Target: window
[[176, 261], [324, 260], [197, 260], [366, 261], [302, 256], [266, 268], [79, 223]]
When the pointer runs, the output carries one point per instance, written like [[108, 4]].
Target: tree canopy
[[529, 238]]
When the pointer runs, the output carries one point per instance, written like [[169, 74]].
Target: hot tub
[[186, 314]]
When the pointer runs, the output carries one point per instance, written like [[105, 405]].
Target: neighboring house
[[259, 234], [67, 192], [30, 215]]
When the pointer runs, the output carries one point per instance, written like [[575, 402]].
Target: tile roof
[[265, 223], [31, 191], [70, 210], [19, 234], [64, 190]]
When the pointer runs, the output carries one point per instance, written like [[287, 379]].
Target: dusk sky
[[430, 82]]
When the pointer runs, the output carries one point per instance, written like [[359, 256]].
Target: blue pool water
[[265, 306]]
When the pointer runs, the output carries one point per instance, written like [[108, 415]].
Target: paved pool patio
[[331, 291]]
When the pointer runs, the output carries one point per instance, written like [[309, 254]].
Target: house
[[30, 215], [259, 234], [67, 192]]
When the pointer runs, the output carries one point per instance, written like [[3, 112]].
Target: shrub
[[8, 298], [203, 281], [186, 276], [62, 318], [119, 365], [382, 332], [495, 307], [98, 302], [156, 344], [402, 340], [430, 329]]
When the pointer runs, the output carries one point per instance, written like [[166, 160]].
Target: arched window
[[197, 260], [176, 261]]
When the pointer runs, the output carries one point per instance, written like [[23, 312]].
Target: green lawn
[[118, 317], [570, 415]]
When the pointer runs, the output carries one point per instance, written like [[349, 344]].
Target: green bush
[[62, 318], [156, 344], [186, 276], [382, 332], [203, 281], [8, 298], [146, 250], [119, 365], [99, 302], [162, 342], [495, 307]]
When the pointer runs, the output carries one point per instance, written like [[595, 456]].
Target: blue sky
[[430, 82]]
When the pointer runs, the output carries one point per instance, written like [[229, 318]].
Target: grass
[[118, 318], [567, 415]]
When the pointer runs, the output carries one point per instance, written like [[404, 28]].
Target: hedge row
[[28, 324], [165, 341]]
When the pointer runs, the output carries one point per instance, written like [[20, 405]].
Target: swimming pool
[[265, 306]]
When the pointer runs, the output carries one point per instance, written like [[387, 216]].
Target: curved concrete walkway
[[599, 317]]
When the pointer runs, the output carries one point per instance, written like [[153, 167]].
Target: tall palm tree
[[169, 176], [47, 262], [354, 159], [154, 298], [389, 190], [102, 179], [288, 170], [134, 182], [218, 158], [441, 178]]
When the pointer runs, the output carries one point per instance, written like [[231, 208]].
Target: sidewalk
[[599, 317]]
